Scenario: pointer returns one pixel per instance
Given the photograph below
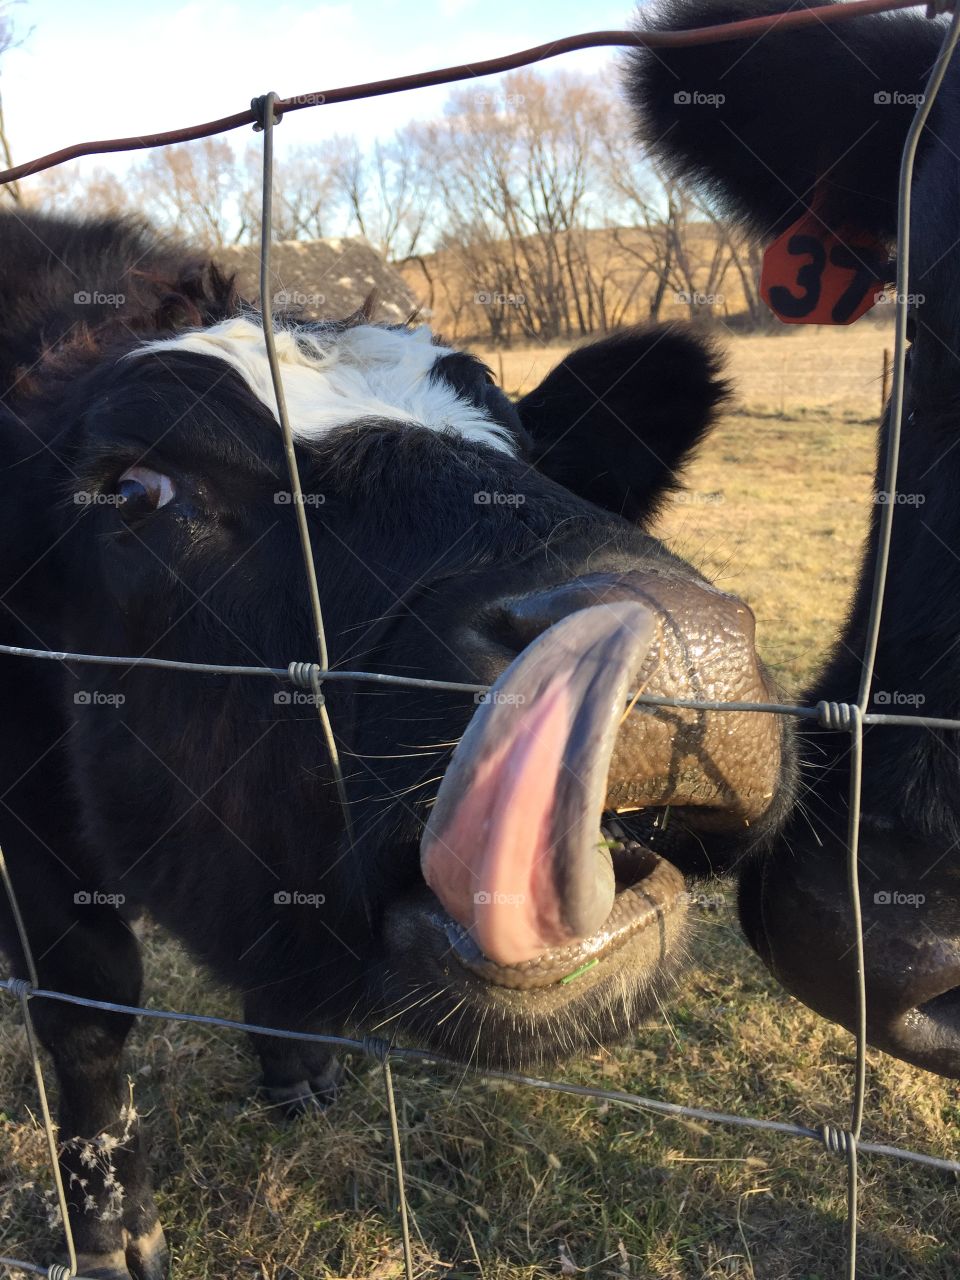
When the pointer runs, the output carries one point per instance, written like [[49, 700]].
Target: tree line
[[524, 211]]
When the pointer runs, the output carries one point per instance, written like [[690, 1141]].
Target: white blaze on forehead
[[333, 377]]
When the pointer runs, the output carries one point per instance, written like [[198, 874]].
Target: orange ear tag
[[812, 275]]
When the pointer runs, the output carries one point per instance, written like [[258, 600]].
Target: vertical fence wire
[[848, 717], [884, 539], [48, 1127], [265, 106], [895, 420], [398, 1168]]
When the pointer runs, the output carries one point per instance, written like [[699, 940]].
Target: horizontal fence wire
[[752, 27], [851, 718], [378, 1049]]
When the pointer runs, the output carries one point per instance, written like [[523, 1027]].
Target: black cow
[[145, 510], [815, 119]]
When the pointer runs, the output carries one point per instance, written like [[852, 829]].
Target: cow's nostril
[[515, 622], [510, 630]]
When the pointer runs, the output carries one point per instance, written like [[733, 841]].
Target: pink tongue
[[512, 848]]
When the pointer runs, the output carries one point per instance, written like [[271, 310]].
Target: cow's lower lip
[[942, 1012], [649, 890], [929, 1034]]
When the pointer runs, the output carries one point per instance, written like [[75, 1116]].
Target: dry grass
[[507, 1184], [797, 371]]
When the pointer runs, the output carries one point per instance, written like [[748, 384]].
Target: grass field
[[507, 1184]]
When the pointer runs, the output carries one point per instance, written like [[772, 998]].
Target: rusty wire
[[840, 717], [467, 71]]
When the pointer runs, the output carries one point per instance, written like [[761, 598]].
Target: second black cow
[[807, 127]]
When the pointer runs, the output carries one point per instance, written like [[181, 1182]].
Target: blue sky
[[102, 68]]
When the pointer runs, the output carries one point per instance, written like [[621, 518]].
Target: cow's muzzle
[[522, 848]]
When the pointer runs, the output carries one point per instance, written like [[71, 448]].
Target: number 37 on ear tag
[[812, 275]]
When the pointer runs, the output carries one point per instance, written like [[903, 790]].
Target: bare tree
[[11, 190], [197, 187], [523, 211], [515, 171], [387, 194]]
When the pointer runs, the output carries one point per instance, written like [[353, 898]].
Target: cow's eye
[[141, 491]]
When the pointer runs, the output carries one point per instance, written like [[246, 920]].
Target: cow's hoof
[[314, 1094], [147, 1255]]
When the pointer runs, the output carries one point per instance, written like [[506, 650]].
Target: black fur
[[623, 450], [798, 113], [203, 798]]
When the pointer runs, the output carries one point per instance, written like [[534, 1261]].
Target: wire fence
[[848, 718]]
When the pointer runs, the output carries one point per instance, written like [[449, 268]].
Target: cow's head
[[457, 536], [814, 121]]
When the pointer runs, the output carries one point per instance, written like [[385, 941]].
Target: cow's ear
[[772, 124], [616, 420]]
